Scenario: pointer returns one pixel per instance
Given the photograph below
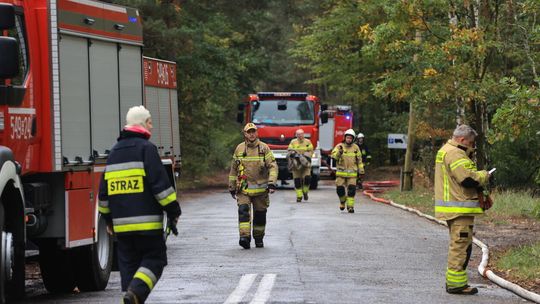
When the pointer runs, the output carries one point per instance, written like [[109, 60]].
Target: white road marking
[[265, 287], [243, 287]]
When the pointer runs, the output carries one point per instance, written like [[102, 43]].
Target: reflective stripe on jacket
[[349, 161], [452, 167], [258, 164], [135, 187]]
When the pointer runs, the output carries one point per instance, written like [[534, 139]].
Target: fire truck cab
[[278, 115]]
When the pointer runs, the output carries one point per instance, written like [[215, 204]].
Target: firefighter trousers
[[459, 251], [302, 180], [141, 259], [260, 204], [346, 190]]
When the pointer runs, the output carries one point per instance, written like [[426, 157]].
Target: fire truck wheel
[[56, 267], [314, 183], [12, 257], [94, 262]]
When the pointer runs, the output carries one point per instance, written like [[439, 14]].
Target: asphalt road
[[314, 253]]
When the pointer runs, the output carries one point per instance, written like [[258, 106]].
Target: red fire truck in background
[[340, 119], [278, 115], [69, 70]]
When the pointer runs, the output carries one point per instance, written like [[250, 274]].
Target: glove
[[233, 193], [271, 188], [171, 226], [485, 200], [173, 210]]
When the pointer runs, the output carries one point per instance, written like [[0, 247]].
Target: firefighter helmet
[[250, 126], [360, 135], [350, 132]]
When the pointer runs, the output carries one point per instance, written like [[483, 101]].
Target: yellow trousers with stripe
[[252, 207], [459, 250]]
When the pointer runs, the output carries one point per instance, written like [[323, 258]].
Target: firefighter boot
[[298, 189], [305, 187], [351, 192], [130, 298], [465, 290], [245, 242], [259, 243], [341, 194]]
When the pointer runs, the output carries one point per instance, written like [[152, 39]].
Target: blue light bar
[[282, 94]]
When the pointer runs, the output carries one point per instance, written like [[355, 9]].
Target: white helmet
[[350, 132], [360, 135]]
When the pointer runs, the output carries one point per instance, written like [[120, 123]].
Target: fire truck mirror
[[7, 16], [9, 57], [282, 105], [34, 127], [324, 117], [324, 107], [240, 117]]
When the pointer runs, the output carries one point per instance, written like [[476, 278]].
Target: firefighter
[[366, 156], [349, 165], [301, 147], [253, 175], [134, 192], [457, 182]]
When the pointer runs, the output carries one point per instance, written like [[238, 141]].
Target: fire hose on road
[[372, 188]]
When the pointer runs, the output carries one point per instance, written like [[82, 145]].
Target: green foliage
[[516, 136], [448, 58], [419, 198], [515, 204], [522, 262], [224, 50]]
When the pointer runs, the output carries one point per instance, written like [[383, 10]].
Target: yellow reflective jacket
[[453, 170], [304, 147], [349, 160], [256, 162]]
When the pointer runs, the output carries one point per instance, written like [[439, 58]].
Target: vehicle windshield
[[282, 112]]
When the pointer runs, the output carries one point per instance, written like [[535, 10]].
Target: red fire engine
[[69, 70], [278, 115]]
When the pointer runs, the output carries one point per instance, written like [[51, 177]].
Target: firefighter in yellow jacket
[[349, 165], [302, 177], [253, 175], [457, 184]]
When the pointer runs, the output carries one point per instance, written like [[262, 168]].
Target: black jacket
[[135, 188]]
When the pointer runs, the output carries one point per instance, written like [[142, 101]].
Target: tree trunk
[[477, 123], [408, 166]]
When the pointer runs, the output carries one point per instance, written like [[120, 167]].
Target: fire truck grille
[[277, 140]]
